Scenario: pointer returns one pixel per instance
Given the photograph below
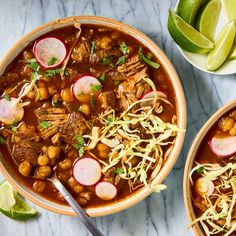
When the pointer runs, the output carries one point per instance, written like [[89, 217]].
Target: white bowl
[[200, 60]]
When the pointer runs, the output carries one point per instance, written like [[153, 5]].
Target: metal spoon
[[75, 206]]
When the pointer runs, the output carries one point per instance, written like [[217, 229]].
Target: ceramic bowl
[[200, 60], [180, 103], [191, 157]]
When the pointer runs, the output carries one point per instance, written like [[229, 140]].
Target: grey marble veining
[[160, 214]]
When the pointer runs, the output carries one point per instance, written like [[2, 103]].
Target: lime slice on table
[[207, 18], [12, 205], [188, 38], [230, 8], [188, 9], [223, 46]]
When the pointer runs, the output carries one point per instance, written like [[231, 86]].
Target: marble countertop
[[160, 214]]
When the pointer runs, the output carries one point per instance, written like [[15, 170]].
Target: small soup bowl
[[190, 161], [139, 195]]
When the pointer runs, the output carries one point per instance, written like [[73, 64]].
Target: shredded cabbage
[[136, 153], [220, 215]]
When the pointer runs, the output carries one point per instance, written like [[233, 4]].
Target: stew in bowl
[[93, 102]]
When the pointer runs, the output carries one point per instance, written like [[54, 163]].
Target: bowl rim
[[191, 157], [180, 107]]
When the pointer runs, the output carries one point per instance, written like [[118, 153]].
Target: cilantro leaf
[[119, 170], [116, 82], [7, 97], [96, 87], [45, 124], [123, 47], [121, 60], [33, 64], [79, 145], [52, 61], [51, 73], [200, 170], [35, 76], [101, 78], [146, 60]]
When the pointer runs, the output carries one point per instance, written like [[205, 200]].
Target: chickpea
[[31, 94], [105, 43], [43, 93], [87, 195], [233, 114], [25, 168], [43, 160], [63, 177], [85, 108], [52, 90], [65, 164], [44, 149], [232, 131], [82, 201], [40, 84], [53, 152], [39, 186], [227, 123], [15, 139], [75, 185], [66, 95], [43, 172], [60, 197], [72, 182], [28, 55]]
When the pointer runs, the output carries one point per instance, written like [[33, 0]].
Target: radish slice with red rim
[[106, 190], [87, 171], [50, 52], [151, 94], [223, 145], [10, 111], [85, 87]]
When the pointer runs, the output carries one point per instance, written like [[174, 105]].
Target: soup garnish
[[213, 179], [93, 102]]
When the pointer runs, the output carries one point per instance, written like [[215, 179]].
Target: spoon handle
[[76, 207]]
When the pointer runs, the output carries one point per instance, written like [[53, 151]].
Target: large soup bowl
[[139, 195], [190, 161]]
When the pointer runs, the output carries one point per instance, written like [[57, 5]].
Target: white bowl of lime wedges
[[205, 32]]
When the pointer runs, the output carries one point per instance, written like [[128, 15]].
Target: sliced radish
[[106, 190], [223, 145], [50, 52], [87, 171], [85, 87], [151, 94], [10, 111], [204, 186]]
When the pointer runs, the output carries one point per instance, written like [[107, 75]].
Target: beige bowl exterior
[[131, 200], [191, 157]]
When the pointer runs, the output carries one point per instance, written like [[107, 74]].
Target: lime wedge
[[188, 9], [207, 18], [223, 46], [230, 8], [188, 38], [233, 53], [12, 205]]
